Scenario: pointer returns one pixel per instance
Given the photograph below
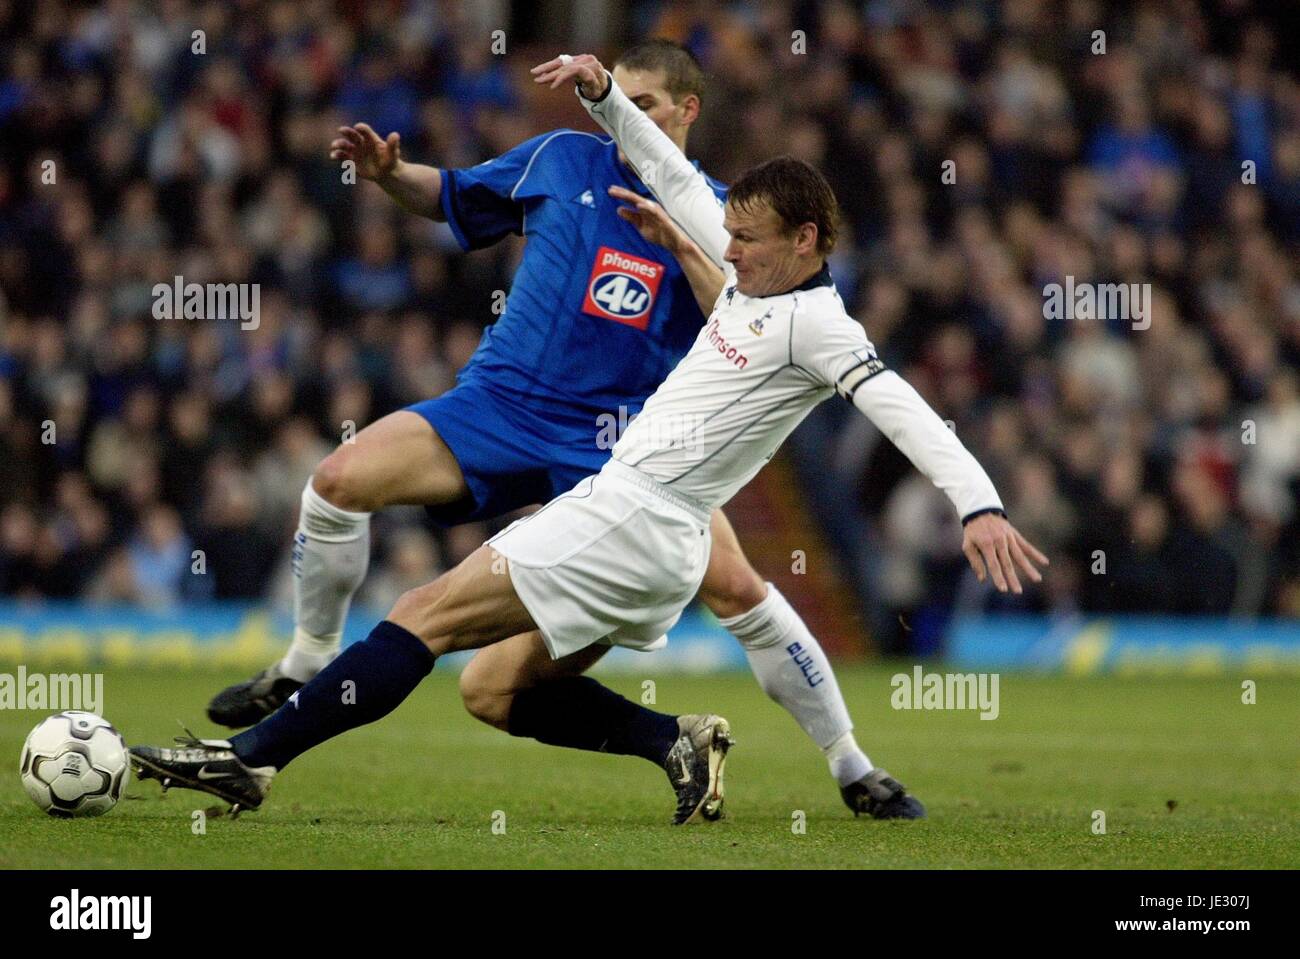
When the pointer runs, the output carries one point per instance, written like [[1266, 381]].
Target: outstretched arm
[[415, 188], [835, 349], [663, 168], [992, 545]]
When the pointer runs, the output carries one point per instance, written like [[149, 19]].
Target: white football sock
[[792, 669], [848, 762], [331, 551]]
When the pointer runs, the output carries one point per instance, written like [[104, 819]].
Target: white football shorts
[[614, 560]]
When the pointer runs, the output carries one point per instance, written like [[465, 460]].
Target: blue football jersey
[[596, 317]]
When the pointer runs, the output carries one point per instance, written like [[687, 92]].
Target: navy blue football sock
[[383, 669], [578, 712]]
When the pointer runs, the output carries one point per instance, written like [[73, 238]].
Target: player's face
[[646, 88], [768, 258]]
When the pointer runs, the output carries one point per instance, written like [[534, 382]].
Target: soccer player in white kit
[[616, 559]]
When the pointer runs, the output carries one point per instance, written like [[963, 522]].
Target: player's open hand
[[995, 548], [650, 220], [375, 158], [584, 69]]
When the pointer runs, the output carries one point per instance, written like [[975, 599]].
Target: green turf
[[1188, 777]]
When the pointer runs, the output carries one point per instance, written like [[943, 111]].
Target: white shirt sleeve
[[680, 188], [837, 351]]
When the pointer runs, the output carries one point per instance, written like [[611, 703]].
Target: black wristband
[[608, 86], [980, 512]]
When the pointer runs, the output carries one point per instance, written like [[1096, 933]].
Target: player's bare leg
[[793, 670], [472, 606], [491, 681], [399, 459], [515, 686]]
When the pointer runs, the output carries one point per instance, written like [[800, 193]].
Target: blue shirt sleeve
[[479, 202]]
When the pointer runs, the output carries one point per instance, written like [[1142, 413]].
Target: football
[[74, 764]]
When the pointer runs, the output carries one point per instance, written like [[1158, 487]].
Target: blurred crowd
[[981, 152]]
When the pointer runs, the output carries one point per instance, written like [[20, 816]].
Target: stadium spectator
[[1171, 159]]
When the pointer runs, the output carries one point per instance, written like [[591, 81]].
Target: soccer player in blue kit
[[597, 316]]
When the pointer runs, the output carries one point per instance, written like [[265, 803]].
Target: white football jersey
[[761, 363], [756, 369]]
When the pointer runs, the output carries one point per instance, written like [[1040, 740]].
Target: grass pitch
[[1185, 773]]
